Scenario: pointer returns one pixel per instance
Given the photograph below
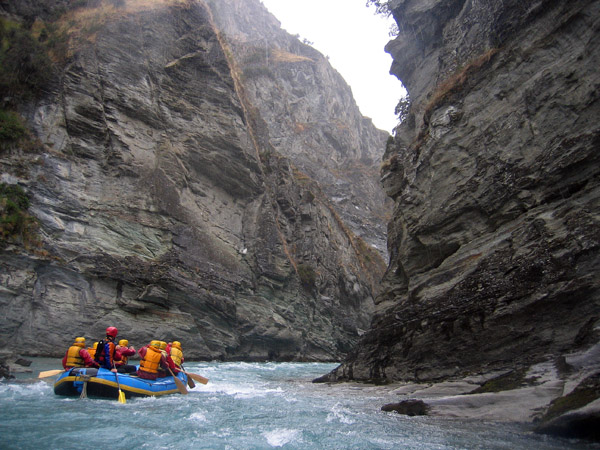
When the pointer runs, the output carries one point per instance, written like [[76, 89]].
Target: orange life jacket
[[74, 359], [151, 360], [176, 356]]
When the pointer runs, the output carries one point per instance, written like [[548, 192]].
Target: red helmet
[[112, 331]]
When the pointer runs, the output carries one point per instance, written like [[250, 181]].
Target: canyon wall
[[158, 203], [494, 173], [311, 116]]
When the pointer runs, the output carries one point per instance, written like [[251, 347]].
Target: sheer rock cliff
[[311, 116], [494, 173], [162, 206], [490, 306]]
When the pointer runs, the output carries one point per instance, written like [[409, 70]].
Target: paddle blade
[[191, 383], [180, 386], [198, 378], [50, 373], [122, 397]]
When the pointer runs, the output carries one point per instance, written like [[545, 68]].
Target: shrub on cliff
[[16, 225], [25, 67], [11, 127], [307, 275]]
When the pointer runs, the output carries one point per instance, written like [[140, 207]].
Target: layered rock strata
[[311, 115], [162, 207], [494, 173]]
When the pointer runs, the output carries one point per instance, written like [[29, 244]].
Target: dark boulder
[[408, 408]]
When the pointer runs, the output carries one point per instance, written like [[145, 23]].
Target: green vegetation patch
[[507, 382], [13, 197], [25, 66], [307, 275], [11, 127], [16, 225], [586, 392]]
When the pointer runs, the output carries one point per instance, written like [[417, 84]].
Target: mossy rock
[[586, 392]]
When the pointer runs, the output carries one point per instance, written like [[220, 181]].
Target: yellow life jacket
[[151, 360], [176, 356], [74, 359], [92, 350], [123, 343]]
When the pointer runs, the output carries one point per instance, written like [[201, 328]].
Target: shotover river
[[244, 406]]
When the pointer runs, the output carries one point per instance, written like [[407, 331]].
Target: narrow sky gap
[[353, 38]]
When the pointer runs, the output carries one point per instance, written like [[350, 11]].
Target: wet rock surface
[[494, 241], [311, 116], [407, 407], [164, 210], [494, 238]]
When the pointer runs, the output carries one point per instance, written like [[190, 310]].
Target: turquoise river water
[[244, 406]]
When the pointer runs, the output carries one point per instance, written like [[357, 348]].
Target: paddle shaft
[[122, 398], [50, 373]]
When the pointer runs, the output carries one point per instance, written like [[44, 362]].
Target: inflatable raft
[[103, 383]]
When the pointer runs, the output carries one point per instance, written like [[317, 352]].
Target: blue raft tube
[[102, 383]]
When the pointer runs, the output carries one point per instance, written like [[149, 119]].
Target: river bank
[[555, 398]]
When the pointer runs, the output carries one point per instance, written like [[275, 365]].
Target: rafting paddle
[[191, 383], [50, 373], [198, 378], [121, 393], [180, 386]]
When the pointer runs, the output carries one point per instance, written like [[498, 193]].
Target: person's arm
[[119, 353], [171, 364], [87, 359], [64, 361], [163, 363]]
